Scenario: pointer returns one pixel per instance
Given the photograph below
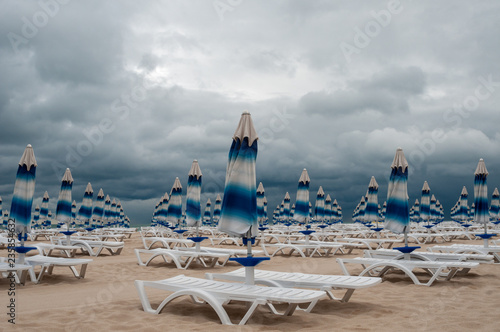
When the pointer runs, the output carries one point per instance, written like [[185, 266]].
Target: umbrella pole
[[485, 240], [249, 270], [22, 254]]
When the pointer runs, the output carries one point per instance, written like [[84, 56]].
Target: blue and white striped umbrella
[[193, 195], [5, 217], [319, 205], [239, 204], [265, 208], [98, 211], [63, 209], [481, 213], [1, 213], [73, 213], [416, 211], [44, 209], [286, 207], [85, 212], [48, 222], [371, 211], [397, 217], [362, 209], [339, 213], [175, 203], [495, 205], [335, 210], [107, 211], [433, 210], [472, 212], [464, 207], [302, 201], [217, 208], [328, 208], [260, 203], [207, 215], [162, 212], [24, 188], [36, 216], [425, 203]]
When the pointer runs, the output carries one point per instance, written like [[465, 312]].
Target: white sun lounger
[[182, 258], [228, 251], [380, 267], [469, 249], [47, 265], [430, 256], [321, 282], [166, 242], [46, 249], [92, 247], [20, 271], [218, 293], [304, 250]]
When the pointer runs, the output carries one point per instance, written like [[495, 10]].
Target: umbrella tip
[[245, 112], [29, 146], [481, 159]]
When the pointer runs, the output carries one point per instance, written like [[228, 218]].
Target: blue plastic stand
[[23, 250], [306, 232], [377, 229], [68, 233], [406, 250], [197, 239], [180, 231], [485, 236], [249, 261]]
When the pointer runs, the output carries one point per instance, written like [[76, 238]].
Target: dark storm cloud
[[128, 94]]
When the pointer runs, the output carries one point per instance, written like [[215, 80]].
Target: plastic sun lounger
[[320, 282], [380, 267], [46, 249], [304, 250], [20, 271], [228, 251], [218, 293], [430, 256], [469, 249], [92, 247], [166, 242], [48, 263], [182, 258]]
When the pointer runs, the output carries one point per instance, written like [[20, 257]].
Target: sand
[[106, 300]]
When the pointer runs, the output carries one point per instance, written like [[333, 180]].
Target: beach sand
[[106, 300]]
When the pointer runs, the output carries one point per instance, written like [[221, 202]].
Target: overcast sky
[[126, 94]]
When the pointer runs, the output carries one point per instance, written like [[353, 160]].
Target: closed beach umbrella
[[207, 215], [495, 205], [264, 200], [286, 207], [335, 210], [63, 209], [433, 210], [85, 212], [302, 200], [24, 188], [114, 212], [44, 209], [397, 217], [217, 207], [1, 214], [464, 208], [481, 213], [362, 209], [239, 204], [319, 205], [73, 212], [425, 203], [371, 211], [193, 194], [416, 211], [260, 203], [107, 211], [175, 202], [36, 216], [328, 208], [98, 210]]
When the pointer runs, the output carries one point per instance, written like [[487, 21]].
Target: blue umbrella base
[[307, 232], [68, 232], [406, 250], [23, 250], [197, 239], [485, 236], [249, 261], [377, 229]]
